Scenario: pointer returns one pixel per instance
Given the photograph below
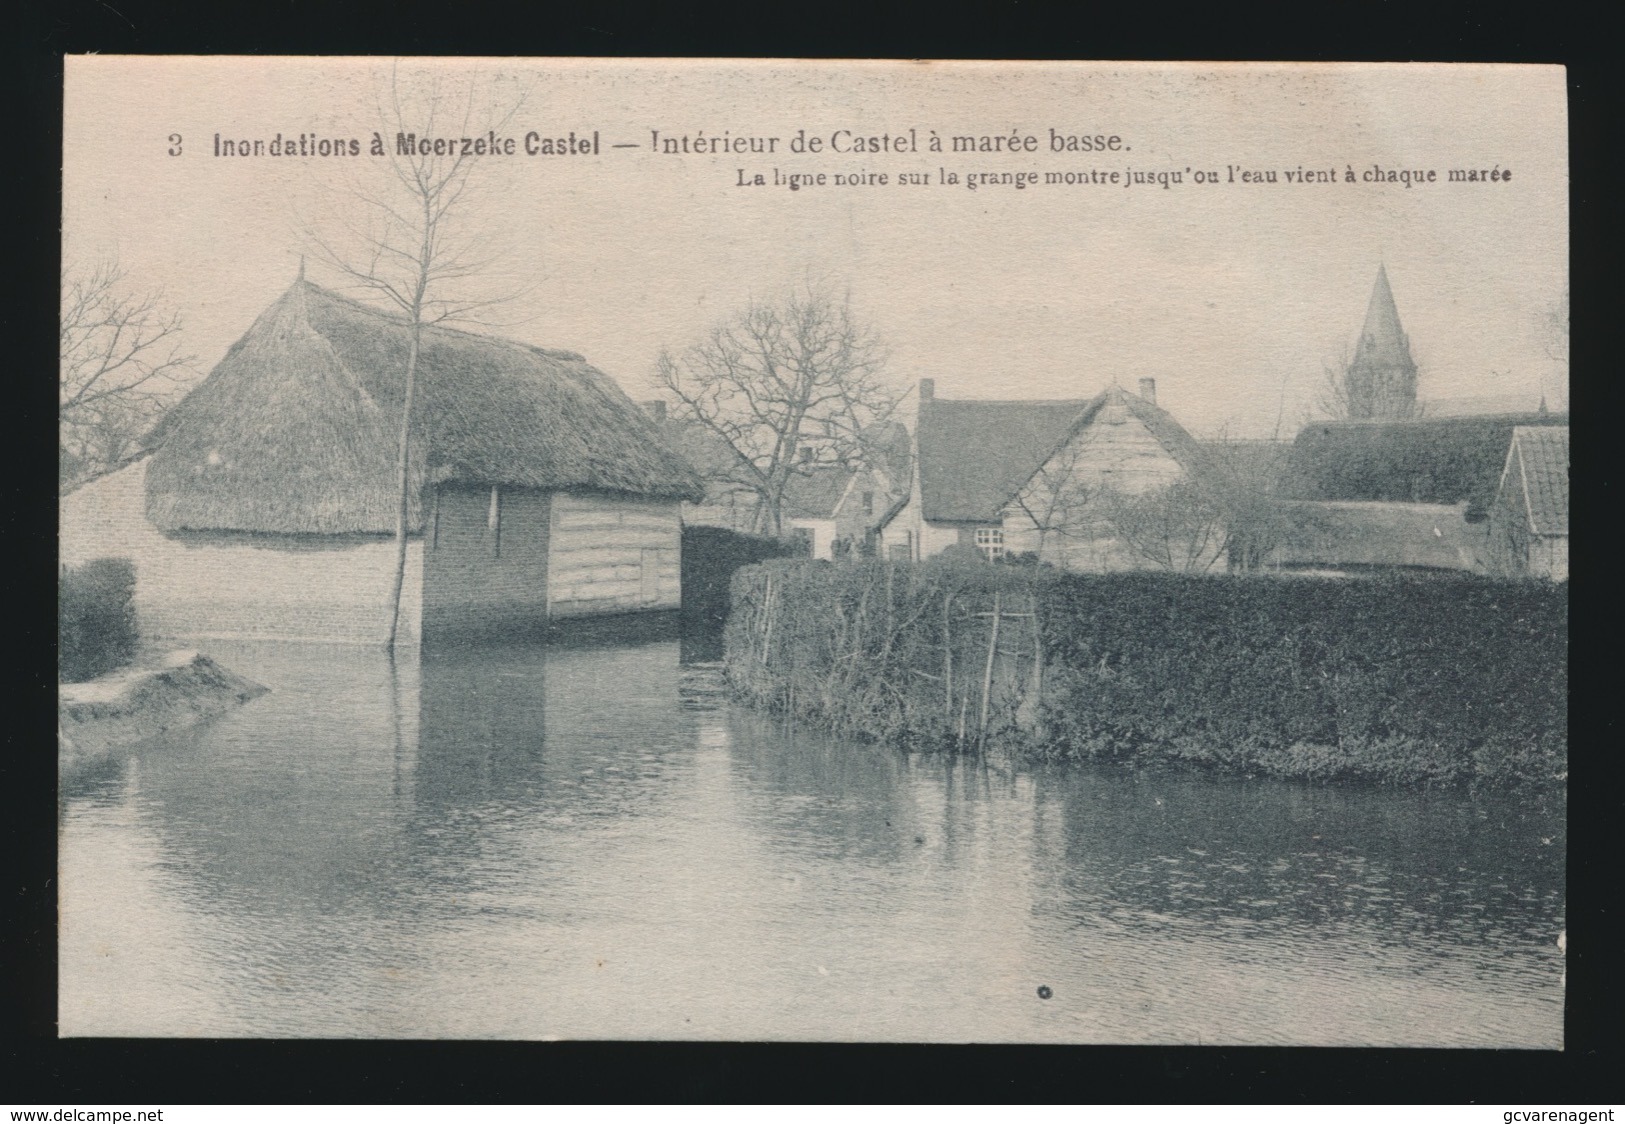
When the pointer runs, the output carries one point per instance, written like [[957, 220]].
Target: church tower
[[1381, 382]]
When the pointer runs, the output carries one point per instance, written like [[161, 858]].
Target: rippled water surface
[[592, 844]]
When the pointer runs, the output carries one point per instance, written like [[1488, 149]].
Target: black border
[[48, 1071]]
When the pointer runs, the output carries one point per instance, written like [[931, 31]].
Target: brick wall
[[199, 585], [613, 554], [485, 567]]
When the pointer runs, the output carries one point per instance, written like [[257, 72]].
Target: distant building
[[265, 502], [831, 508], [1397, 494], [1381, 380], [1529, 518], [812, 497], [1032, 476]]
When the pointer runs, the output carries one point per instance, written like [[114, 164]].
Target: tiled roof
[[1540, 457]]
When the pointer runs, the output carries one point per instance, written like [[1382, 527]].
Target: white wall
[[200, 586], [823, 535]]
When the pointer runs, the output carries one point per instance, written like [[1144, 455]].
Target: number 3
[[174, 144]]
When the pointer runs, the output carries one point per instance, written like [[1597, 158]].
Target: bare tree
[[1182, 527], [788, 384], [1337, 399], [403, 238], [1552, 329], [121, 363], [1332, 392], [1247, 481]]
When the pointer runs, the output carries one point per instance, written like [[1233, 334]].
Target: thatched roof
[[975, 454], [1438, 460], [1366, 535], [296, 429]]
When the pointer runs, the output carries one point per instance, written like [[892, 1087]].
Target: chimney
[[656, 409], [928, 389], [1148, 390]]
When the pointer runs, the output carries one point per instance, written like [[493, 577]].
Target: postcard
[[794, 550]]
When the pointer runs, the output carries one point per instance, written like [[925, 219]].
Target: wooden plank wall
[[613, 554]]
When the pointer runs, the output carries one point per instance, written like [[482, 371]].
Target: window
[[868, 503], [990, 541]]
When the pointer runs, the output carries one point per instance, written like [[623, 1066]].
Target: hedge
[[96, 629], [1391, 679]]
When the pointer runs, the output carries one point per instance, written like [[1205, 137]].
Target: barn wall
[[613, 554], [202, 585], [485, 577]]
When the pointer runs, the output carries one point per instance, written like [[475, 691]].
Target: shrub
[[1391, 679], [96, 630]]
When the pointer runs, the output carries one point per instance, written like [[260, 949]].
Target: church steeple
[[1382, 378]]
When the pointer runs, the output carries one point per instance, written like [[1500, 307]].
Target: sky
[[1232, 296]]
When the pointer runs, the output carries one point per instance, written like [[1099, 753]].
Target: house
[[1529, 517], [812, 497], [1037, 476], [831, 508], [880, 481], [265, 502], [1385, 487], [1446, 460]]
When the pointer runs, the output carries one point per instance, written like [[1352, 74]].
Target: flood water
[[591, 843]]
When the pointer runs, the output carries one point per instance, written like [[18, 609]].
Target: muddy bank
[[177, 689]]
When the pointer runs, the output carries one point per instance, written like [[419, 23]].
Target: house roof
[[814, 493], [1433, 536], [975, 454], [1538, 468], [296, 429], [1424, 460]]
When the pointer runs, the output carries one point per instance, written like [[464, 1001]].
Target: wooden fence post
[[987, 676]]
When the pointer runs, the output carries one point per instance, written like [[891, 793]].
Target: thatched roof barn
[[1427, 460], [1377, 535], [295, 431]]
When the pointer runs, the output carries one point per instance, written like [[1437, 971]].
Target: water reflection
[[590, 842]]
